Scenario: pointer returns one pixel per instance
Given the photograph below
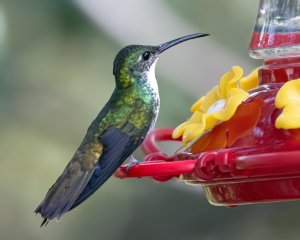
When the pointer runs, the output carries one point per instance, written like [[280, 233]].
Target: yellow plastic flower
[[288, 98], [219, 104]]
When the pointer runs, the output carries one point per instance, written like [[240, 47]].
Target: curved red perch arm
[[157, 135]]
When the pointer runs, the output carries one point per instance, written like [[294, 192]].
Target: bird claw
[[132, 162]]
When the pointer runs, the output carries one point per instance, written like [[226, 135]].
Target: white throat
[[152, 79]]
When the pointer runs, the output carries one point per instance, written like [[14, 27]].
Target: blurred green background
[[56, 74]]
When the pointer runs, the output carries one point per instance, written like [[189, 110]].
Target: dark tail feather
[[72, 189], [62, 195], [117, 147], [45, 222]]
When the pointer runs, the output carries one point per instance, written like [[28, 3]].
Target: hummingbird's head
[[135, 63]]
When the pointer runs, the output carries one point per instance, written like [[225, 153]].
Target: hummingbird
[[117, 131]]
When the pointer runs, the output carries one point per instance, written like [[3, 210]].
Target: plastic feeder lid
[[277, 30]]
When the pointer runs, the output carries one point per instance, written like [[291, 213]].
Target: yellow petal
[[211, 97], [230, 80], [179, 130], [195, 118], [196, 105], [210, 121], [289, 93], [251, 81], [289, 118], [193, 131], [288, 98], [238, 91], [237, 74], [237, 96]]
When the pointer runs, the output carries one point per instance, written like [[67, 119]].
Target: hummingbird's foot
[[132, 162]]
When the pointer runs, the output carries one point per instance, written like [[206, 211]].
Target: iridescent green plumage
[[117, 131]]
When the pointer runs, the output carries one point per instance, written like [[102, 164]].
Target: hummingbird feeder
[[242, 142]]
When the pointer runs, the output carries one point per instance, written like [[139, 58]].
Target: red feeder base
[[229, 177]]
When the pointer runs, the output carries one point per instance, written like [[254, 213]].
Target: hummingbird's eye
[[146, 55]]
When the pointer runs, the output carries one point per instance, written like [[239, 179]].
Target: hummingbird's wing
[[118, 146], [79, 180]]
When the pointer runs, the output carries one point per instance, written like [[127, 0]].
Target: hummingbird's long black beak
[[165, 46]]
